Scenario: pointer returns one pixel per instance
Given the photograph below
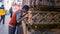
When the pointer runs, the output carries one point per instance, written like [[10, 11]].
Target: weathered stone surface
[[47, 18]]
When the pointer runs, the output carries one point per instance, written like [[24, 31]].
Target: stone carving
[[47, 18]]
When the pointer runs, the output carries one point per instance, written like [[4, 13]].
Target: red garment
[[13, 20]]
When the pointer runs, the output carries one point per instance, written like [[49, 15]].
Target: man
[[16, 20], [3, 16], [11, 12]]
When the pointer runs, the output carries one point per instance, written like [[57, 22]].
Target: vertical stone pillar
[[30, 16], [24, 28], [42, 2], [55, 2], [30, 1]]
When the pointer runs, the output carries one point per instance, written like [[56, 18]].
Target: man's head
[[2, 6], [25, 8]]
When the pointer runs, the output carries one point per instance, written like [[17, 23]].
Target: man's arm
[[22, 18]]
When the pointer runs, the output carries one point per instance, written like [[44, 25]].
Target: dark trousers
[[19, 29], [2, 19], [12, 30], [11, 15]]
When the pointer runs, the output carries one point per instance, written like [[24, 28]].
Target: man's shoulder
[[18, 10]]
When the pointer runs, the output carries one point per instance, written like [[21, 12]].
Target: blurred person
[[11, 12], [16, 20], [3, 16]]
